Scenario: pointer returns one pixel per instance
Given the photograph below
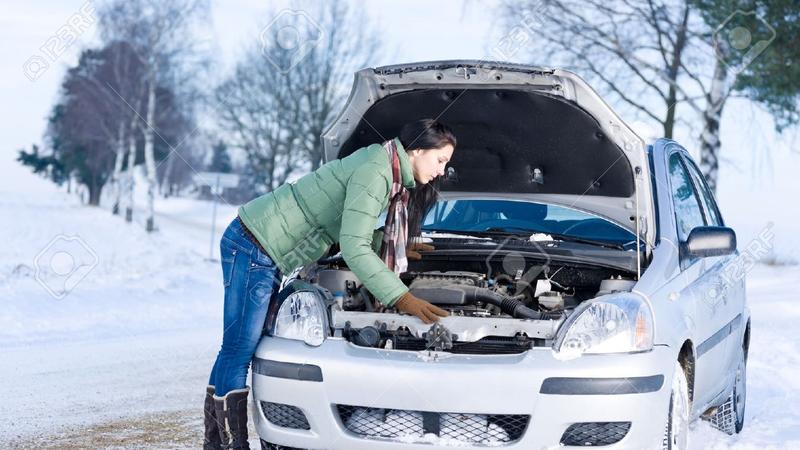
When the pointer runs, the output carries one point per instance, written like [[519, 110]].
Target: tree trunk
[[116, 177], [95, 189], [164, 187], [130, 183], [149, 153], [710, 140], [672, 74]]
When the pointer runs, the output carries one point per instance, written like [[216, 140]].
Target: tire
[[729, 416], [676, 433]]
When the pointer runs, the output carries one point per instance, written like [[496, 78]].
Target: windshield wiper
[[524, 234], [561, 237], [461, 232]]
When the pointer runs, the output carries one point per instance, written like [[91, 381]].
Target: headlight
[[302, 316], [617, 324]]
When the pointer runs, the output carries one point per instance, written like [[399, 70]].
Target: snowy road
[[122, 360], [63, 388]]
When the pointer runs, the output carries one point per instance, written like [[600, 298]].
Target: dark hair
[[424, 134]]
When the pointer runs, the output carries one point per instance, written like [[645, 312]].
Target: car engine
[[489, 314]]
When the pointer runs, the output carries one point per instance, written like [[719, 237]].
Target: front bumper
[[633, 388]]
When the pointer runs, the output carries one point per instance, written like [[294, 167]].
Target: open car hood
[[523, 132]]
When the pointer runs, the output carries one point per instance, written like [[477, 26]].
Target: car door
[[726, 294], [695, 282]]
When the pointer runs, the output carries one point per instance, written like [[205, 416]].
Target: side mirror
[[710, 241]]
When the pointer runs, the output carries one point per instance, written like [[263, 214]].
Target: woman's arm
[[365, 198]]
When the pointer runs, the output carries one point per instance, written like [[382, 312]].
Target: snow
[[137, 333], [539, 237], [133, 282], [772, 419]]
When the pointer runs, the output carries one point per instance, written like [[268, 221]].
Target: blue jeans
[[251, 282]]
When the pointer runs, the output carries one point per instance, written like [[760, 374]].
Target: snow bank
[[68, 270]]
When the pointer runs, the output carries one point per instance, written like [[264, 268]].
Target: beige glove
[[426, 312], [412, 251]]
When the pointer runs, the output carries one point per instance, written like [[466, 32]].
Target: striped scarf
[[395, 230]]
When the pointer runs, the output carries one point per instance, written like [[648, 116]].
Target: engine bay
[[491, 311]]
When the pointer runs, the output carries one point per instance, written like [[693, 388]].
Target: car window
[[688, 214], [709, 204], [513, 215]]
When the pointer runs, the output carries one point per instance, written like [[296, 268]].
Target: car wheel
[[270, 446], [676, 434], [729, 416]]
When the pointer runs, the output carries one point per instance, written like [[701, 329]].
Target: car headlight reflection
[[301, 317], [620, 324]]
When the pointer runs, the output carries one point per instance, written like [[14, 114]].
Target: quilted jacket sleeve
[[366, 196], [377, 240]]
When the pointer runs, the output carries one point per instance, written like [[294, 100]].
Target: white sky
[[759, 172]]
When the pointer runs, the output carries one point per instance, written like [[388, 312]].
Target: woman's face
[[429, 163]]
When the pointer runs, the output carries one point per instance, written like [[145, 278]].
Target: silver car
[[596, 295]]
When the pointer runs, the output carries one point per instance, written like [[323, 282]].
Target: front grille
[[405, 425], [489, 345], [270, 446], [590, 434], [286, 416]]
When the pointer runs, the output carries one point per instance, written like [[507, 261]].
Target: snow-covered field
[[128, 324], [115, 352]]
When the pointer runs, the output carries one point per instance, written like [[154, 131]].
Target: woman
[[296, 224]]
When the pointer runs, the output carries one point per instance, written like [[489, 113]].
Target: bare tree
[[160, 33], [634, 50], [115, 84], [81, 127], [282, 94], [256, 110], [95, 93], [323, 78], [653, 56]]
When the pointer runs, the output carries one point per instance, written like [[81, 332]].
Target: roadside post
[[217, 182]]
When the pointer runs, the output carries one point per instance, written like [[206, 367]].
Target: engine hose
[[508, 305], [362, 292]]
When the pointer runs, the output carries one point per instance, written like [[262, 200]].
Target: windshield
[[522, 217]]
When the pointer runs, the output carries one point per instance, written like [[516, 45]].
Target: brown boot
[[211, 439], [231, 413]]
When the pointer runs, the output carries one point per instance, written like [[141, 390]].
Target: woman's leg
[[244, 323], [251, 281], [227, 252], [213, 375], [212, 438]]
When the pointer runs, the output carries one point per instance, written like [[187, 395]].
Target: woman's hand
[[426, 312], [412, 251]]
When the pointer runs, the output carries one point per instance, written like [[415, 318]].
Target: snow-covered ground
[[121, 341], [100, 320]]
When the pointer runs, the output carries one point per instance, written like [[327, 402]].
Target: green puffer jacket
[[339, 202]]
